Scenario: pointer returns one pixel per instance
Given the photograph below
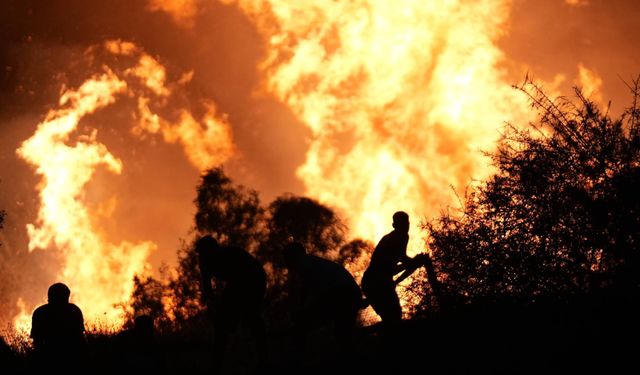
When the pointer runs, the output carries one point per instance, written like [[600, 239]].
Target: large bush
[[561, 215]]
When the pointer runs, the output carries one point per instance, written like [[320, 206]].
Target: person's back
[[390, 251], [328, 293], [57, 328], [57, 325], [320, 276], [241, 297], [234, 266]]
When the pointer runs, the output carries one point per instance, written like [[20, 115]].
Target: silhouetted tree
[[293, 218], [352, 252], [173, 297], [185, 290], [560, 215], [147, 298], [231, 213]]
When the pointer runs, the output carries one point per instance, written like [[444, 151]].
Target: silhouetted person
[[324, 292], [243, 283], [389, 259], [57, 330], [139, 350]]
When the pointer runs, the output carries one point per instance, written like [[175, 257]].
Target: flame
[[577, 3], [22, 322], [182, 11], [98, 272], [591, 84], [205, 147], [401, 98]]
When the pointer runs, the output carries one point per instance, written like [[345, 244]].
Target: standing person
[[57, 330], [324, 292], [243, 282], [389, 259]]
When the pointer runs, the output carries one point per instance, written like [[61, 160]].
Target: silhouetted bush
[[560, 216]]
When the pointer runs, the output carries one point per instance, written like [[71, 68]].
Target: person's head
[[58, 293], [205, 244], [401, 221], [293, 252]]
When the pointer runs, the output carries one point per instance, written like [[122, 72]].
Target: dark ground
[[598, 334]]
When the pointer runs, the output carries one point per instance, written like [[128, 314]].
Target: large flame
[[98, 272], [401, 98]]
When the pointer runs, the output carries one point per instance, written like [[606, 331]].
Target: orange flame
[[401, 98], [100, 273], [591, 84], [182, 11]]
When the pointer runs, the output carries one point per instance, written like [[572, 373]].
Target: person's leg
[[382, 297], [225, 322], [386, 304], [389, 306], [256, 325], [345, 312], [345, 324]]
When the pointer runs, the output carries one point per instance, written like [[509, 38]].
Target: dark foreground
[[599, 334]]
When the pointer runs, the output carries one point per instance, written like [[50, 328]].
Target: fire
[[591, 84], [98, 272], [182, 11], [401, 98]]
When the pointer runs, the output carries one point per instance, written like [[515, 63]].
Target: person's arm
[[411, 265], [80, 322], [206, 290], [79, 329], [36, 331], [404, 261]]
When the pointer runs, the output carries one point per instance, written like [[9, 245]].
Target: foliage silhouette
[[294, 218], [147, 297], [231, 213], [234, 216], [560, 216], [314, 225]]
